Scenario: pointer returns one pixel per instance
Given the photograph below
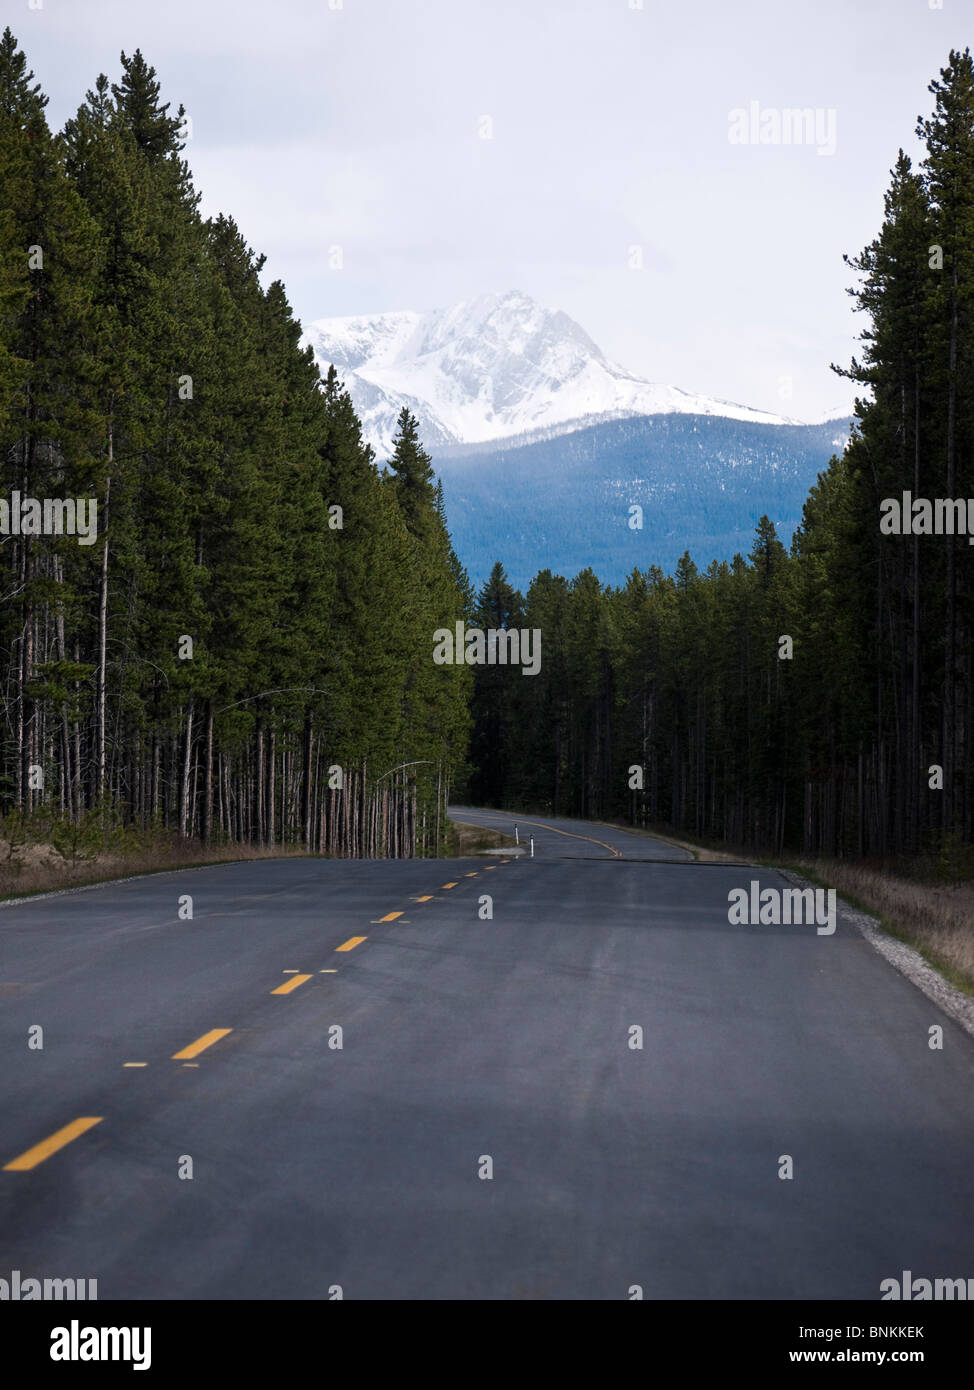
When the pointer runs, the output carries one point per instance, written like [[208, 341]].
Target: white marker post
[[517, 838], [532, 846]]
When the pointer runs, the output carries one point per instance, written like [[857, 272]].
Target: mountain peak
[[491, 367]]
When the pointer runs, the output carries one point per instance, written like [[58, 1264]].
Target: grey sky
[[360, 126]]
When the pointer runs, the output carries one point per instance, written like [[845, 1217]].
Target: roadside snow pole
[[532, 846]]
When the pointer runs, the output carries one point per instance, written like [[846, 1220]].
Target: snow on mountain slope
[[490, 368]]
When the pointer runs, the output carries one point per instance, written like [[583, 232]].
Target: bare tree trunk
[[184, 799], [208, 784], [103, 633], [156, 777], [271, 793], [951, 770], [26, 670], [259, 784], [306, 798]]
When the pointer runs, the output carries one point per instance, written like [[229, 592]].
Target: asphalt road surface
[[471, 1045]]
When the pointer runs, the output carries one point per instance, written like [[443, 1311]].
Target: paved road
[[571, 839], [466, 1039]]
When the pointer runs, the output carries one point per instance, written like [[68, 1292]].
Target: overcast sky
[[360, 124]]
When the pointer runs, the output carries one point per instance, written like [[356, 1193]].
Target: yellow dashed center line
[[195, 1048], [33, 1156], [288, 985], [49, 1146]]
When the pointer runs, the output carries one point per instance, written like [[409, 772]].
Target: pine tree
[[412, 475], [949, 174], [49, 360]]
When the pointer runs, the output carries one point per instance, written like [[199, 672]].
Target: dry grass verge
[[935, 919], [463, 840], [39, 869]]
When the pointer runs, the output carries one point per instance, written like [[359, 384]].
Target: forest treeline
[[243, 652], [817, 697]]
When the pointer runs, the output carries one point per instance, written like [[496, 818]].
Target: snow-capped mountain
[[491, 368]]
